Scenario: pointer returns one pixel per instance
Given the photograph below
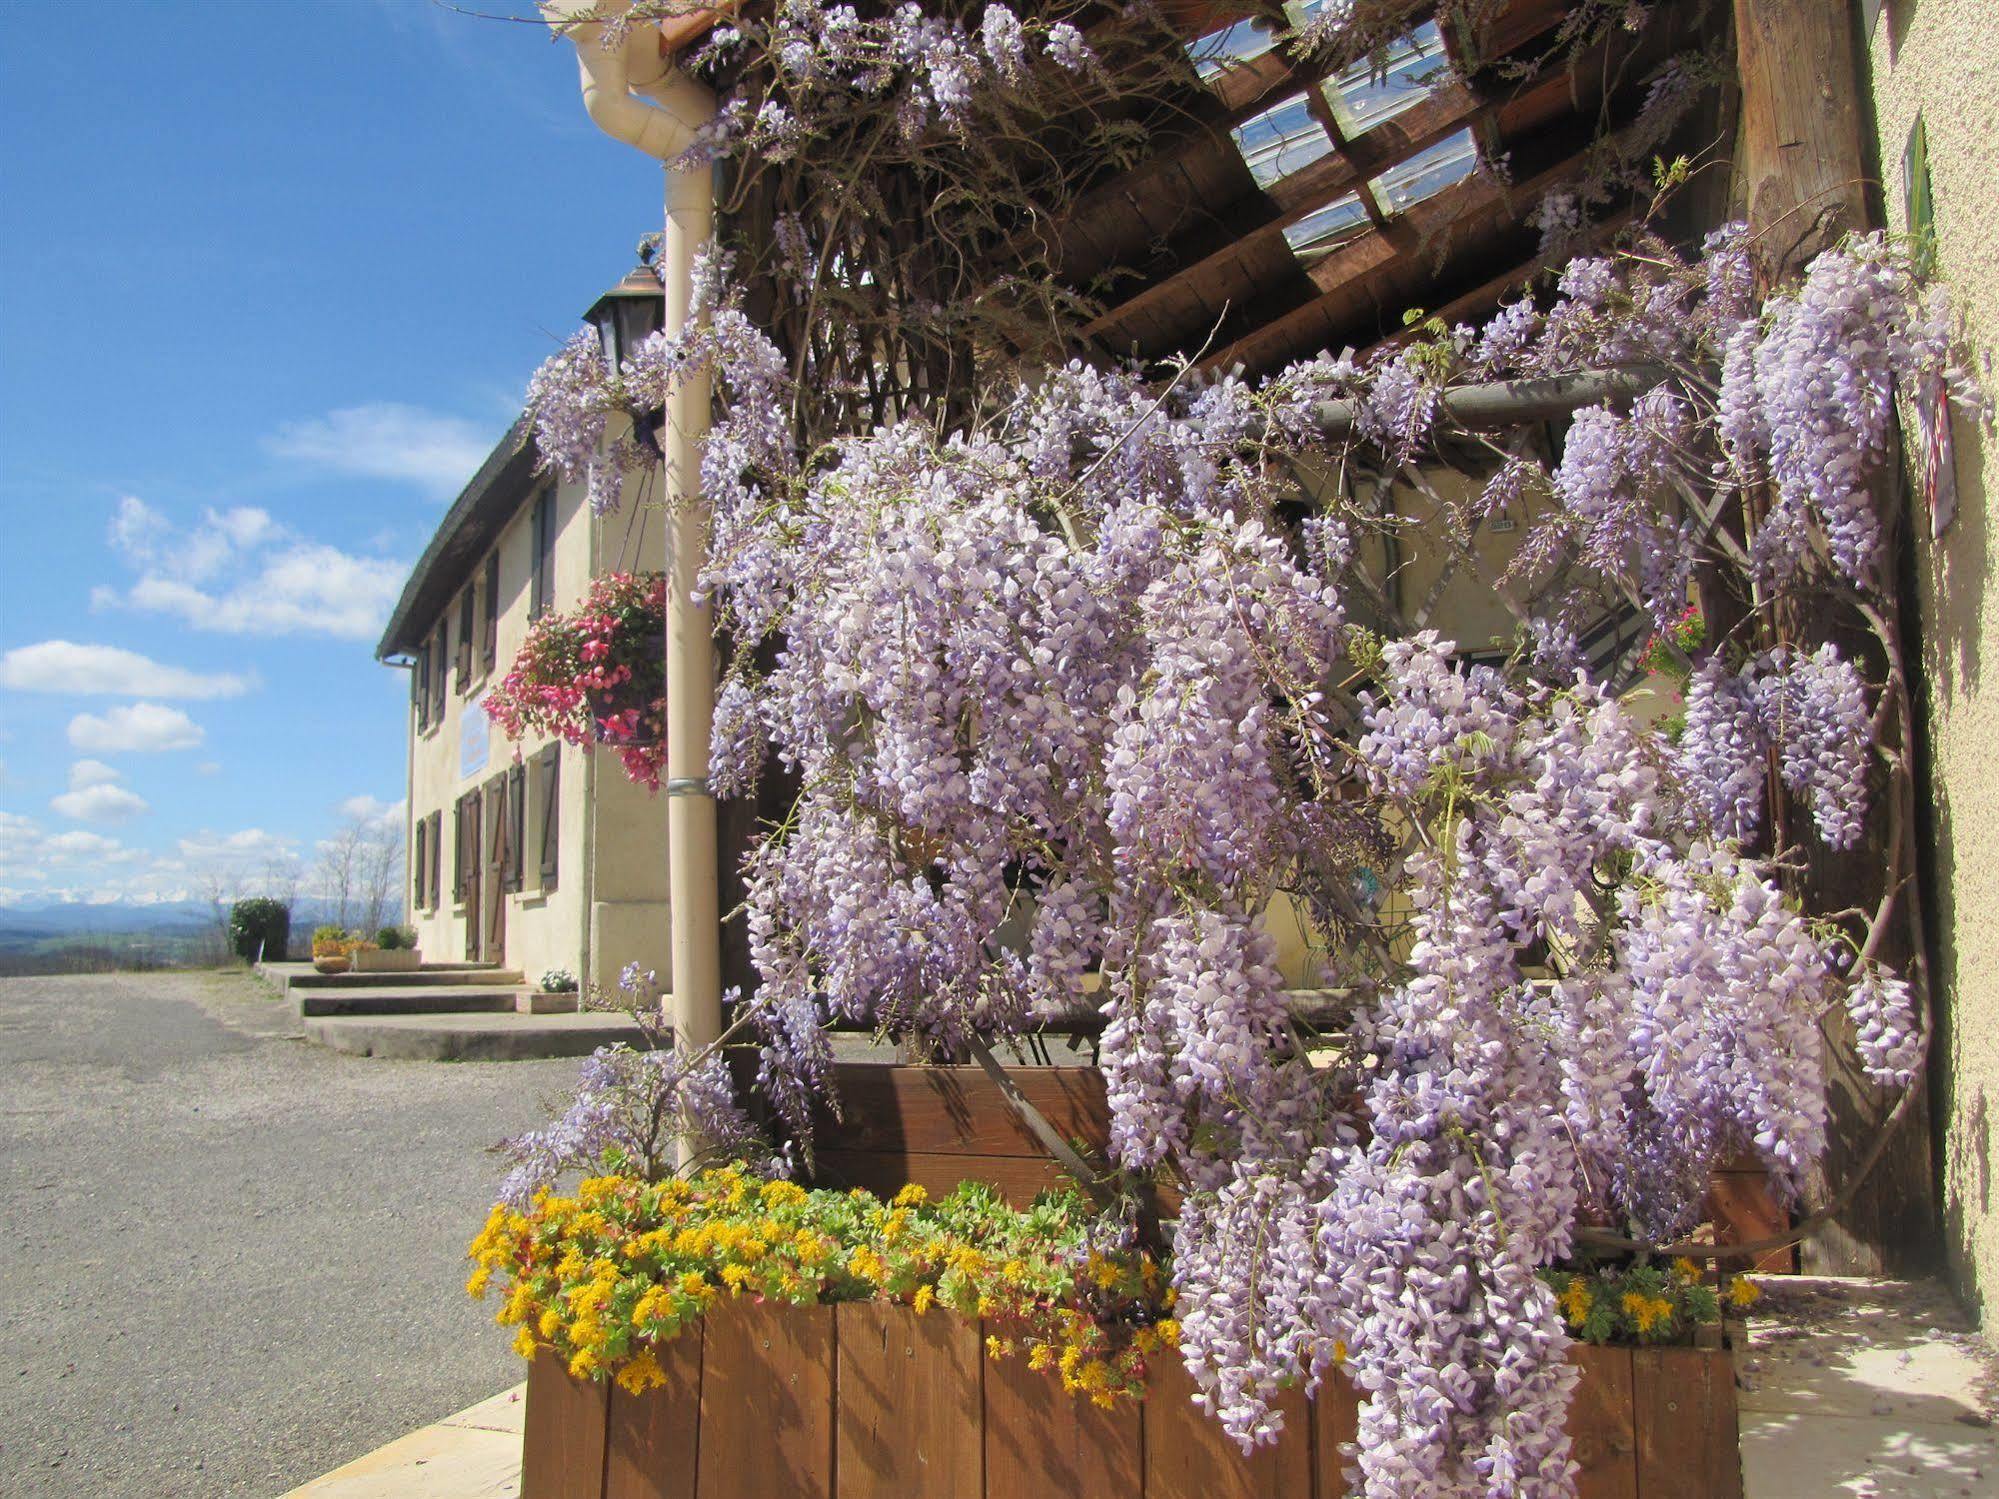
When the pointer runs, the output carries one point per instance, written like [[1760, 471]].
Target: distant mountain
[[70, 917], [63, 918]]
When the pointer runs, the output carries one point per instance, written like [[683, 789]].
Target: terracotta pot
[[337, 964]]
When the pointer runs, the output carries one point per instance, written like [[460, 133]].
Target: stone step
[[471, 1038], [441, 976], [399, 999]]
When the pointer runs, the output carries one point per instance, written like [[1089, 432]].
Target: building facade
[[533, 854], [1935, 95]]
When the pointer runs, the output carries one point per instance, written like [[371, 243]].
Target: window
[[468, 605], [550, 809], [541, 595], [436, 858], [513, 820], [492, 647], [418, 883]]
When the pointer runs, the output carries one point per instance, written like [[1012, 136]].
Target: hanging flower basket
[[595, 675]]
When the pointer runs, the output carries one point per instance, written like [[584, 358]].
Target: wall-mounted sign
[[474, 734]]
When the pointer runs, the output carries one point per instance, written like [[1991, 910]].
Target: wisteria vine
[[1077, 687]]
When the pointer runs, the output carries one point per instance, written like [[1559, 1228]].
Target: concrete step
[[398, 999], [439, 977], [471, 1038]]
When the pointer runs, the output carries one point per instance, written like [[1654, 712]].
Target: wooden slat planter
[[868, 1399]]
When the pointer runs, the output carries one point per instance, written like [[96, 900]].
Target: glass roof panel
[[1279, 141], [1323, 229], [1427, 173], [1380, 87], [1218, 51]]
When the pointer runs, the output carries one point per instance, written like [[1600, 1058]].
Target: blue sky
[[273, 276]]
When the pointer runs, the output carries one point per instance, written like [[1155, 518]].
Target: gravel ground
[[230, 1261]]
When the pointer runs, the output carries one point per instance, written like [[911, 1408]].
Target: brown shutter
[[458, 849], [542, 592], [440, 657], [551, 819], [416, 864], [467, 604], [420, 686], [492, 657], [516, 805], [436, 859]]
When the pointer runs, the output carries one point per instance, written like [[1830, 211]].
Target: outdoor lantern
[[623, 317], [627, 313]]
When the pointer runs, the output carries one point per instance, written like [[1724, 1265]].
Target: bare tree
[[335, 872], [359, 873], [381, 874]]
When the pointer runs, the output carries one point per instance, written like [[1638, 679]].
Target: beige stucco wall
[[609, 906], [1936, 57]]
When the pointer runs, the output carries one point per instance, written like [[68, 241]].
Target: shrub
[[395, 938], [558, 981], [259, 928], [329, 941]]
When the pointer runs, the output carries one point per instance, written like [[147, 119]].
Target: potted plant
[[596, 675], [394, 950], [330, 950]]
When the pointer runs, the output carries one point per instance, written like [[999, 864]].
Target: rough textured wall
[[1936, 58]]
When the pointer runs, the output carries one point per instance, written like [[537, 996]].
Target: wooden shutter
[[516, 805], [458, 849], [497, 791], [440, 657], [420, 687], [551, 818], [467, 604], [492, 650], [542, 591], [474, 829], [417, 886], [436, 859]]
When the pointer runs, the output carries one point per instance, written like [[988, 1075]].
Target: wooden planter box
[[868, 1399], [388, 960]]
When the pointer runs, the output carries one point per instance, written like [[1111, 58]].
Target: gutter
[[638, 94]]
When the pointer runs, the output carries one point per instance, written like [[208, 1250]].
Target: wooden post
[[1806, 179]]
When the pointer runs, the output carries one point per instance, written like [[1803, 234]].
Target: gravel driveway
[[230, 1261]]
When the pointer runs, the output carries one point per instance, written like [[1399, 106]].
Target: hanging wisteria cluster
[[1071, 702], [1075, 686]]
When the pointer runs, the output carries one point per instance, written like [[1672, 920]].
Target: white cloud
[[243, 848], [85, 774], [95, 795], [107, 671], [238, 572], [100, 804], [209, 768], [374, 813], [19, 837], [79, 846], [148, 540], [386, 440], [134, 728]]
